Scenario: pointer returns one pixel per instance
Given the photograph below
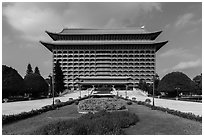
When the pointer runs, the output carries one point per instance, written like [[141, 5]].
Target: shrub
[[129, 102], [76, 102], [101, 123], [147, 100], [57, 101], [133, 99], [99, 104]]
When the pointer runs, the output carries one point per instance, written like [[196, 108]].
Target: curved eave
[[47, 45], [55, 36], [51, 45]]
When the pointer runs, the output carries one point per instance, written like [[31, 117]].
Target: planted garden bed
[[100, 104]]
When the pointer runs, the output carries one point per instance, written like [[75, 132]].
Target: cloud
[[178, 52], [188, 64], [32, 19], [187, 19]]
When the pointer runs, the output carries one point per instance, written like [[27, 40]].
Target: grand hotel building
[[116, 57]]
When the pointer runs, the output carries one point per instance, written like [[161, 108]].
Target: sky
[[24, 25]]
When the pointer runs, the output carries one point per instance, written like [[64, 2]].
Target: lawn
[[151, 122], [28, 125]]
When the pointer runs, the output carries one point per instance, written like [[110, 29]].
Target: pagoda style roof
[[128, 30], [92, 32], [51, 45]]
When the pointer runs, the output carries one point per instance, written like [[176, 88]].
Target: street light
[[79, 90], [177, 88], [126, 91], [153, 91]]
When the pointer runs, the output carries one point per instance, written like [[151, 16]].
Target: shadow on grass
[[101, 123]]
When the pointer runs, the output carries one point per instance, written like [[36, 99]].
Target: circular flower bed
[[99, 104]]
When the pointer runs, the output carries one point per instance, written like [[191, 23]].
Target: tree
[[29, 69], [176, 82], [12, 82], [143, 85], [37, 71], [156, 83], [59, 85], [198, 84], [35, 85]]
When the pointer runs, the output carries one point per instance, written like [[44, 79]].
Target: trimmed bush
[[147, 101], [129, 102], [133, 99], [57, 101], [76, 102], [98, 104]]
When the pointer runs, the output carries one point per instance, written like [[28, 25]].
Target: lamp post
[[177, 88], [126, 91], [153, 91], [80, 90], [53, 96]]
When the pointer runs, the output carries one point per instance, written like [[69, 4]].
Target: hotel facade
[[114, 57]]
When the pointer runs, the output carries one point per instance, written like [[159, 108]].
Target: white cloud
[[34, 18], [178, 52], [188, 64], [187, 19]]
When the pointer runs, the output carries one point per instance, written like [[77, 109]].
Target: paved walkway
[[183, 106], [25, 106]]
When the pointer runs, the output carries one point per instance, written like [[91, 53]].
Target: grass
[[151, 122], [28, 125], [101, 123]]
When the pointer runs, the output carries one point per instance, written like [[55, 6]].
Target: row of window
[[105, 37], [72, 81], [97, 57], [92, 61], [110, 72], [103, 52], [106, 61], [111, 67]]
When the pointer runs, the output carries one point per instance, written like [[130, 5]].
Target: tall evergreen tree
[[59, 85], [29, 69], [37, 71]]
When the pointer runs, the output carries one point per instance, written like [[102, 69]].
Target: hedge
[[15, 117], [190, 116]]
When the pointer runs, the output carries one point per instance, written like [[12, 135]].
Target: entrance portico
[[106, 82]]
